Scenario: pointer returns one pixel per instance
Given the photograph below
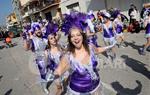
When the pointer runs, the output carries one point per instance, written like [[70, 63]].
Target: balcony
[[44, 3], [33, 10], [26, 14], [29, 3], [35, 7], [48, 3]]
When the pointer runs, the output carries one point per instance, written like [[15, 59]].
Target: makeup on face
[[52, 39], [76, 37]]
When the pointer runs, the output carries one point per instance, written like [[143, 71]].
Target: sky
[[5, 9]]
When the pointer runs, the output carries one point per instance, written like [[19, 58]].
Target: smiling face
[[52, 39], [38, 33], [76, 38]]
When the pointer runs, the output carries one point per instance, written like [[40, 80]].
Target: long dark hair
[[71, 47]]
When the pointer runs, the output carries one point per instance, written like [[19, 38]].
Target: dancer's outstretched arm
[[102, 49]]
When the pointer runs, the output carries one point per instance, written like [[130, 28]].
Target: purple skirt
[[83, 83]]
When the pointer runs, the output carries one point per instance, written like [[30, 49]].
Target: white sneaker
[[46, 91], [49, 76]]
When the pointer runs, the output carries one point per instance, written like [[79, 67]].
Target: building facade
[[32, 9], [95, 5], [50, 9], [16, 9], [11, 19]]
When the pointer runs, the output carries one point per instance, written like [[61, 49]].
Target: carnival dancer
[[38, 44], [53, 56], [90, 31], [147, 35], [119, 28], [108, 30], [84, 79]]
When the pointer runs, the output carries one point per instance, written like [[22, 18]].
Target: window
[[74, 6]]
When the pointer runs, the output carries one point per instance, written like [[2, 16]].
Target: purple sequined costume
[[108, 34], [108, 31], [38, 46], [93, 39], [118, 26], [85, 77], [53, 60]]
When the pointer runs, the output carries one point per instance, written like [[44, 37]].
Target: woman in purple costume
[[108, 31], [53, 56], [80, 59], [119, 28], [90, 31]]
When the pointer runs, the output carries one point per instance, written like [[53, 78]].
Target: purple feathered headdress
[[74, 19], [52, 28], [35, 26], [115, 13], [90, 15]]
